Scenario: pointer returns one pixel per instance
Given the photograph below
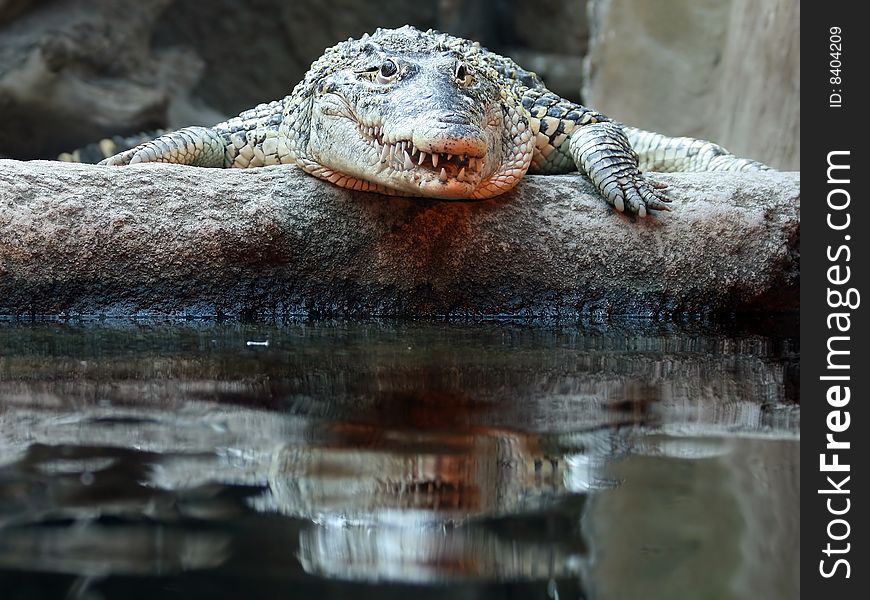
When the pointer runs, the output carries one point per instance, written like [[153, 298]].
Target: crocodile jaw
[[414, 157], [420, 157]]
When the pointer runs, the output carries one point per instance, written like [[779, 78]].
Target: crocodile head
[[412, 113]]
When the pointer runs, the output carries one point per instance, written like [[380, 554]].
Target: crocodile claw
[[121, 159], [637, 195], [602, 151]]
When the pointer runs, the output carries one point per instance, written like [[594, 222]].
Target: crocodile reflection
[[452, 474], [424, 501]]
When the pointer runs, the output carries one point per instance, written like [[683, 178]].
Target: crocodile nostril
[[454, 119]]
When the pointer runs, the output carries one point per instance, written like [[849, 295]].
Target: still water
[[385, 459]]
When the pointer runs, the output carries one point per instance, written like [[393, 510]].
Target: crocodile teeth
[[435, 161], [461, 176], [408, 164], [422, 158], [385, 153], [443, 175], [449, 157]]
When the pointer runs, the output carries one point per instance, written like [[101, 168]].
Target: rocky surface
[[171, 240], [728, 71]]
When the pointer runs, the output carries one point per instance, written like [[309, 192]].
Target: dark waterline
[[492, 460]]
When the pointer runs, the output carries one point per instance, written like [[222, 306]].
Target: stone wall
[[725, 70]]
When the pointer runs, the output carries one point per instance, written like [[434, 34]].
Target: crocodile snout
[[441, 136]]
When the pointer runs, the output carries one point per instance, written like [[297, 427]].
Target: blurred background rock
[[74, 71]]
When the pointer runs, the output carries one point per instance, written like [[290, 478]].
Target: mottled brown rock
[[163, 239]]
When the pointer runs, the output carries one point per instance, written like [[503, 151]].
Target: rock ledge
[[165, 240]]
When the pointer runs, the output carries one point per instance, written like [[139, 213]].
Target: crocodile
[[424, 113]]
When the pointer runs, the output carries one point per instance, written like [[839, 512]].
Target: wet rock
[[164, 239], [725, 71]]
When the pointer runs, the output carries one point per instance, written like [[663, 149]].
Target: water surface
[[334, 460]]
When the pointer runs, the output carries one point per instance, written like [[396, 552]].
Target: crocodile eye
[[388, 71], [461, 73]]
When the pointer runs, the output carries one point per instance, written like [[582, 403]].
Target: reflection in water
[[425, 507], [481, 455]]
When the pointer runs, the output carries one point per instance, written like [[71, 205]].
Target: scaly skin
[[414, 113]]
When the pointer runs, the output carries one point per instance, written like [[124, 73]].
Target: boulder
[[160, 239]]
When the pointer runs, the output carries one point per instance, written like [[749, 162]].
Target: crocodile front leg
[[602, 151], [572, 137]]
